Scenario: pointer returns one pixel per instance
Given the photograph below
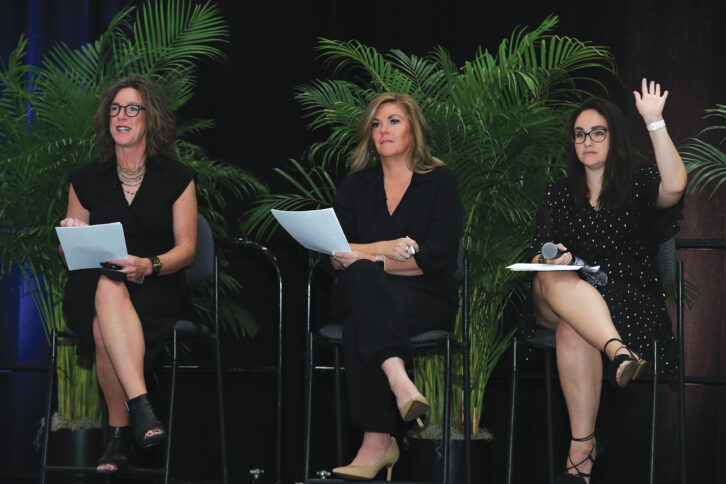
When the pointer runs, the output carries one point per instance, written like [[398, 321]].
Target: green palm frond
[[175, 34], [45, 126], [313, 189], [706, 162], [498, 121]]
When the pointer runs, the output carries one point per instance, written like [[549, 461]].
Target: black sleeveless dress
[[148, 229]]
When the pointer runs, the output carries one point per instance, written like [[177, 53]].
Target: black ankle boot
[[143, 419], [118, 450]]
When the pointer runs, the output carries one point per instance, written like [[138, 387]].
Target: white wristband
[[656, 125]]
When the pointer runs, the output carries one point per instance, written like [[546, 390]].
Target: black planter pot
[[81, 447], [426, 460]]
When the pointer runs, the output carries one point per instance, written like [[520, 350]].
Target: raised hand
[[650, 101]]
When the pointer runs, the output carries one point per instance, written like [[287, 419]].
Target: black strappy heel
[[579, 478], [118, 451], [143, 420], [630, 366]]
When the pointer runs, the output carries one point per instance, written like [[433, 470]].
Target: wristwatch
[[155, 265], [380, 261]]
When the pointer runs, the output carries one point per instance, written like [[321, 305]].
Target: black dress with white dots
[[624, 243]]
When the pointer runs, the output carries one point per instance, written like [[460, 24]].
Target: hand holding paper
[[86, 246], [317, 230]]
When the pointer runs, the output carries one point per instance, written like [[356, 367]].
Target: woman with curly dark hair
[[121, 311]]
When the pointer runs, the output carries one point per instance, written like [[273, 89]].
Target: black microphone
[[550, 251], [595, 277]]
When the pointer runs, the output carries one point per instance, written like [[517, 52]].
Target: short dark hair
[[160, 124], [619, 164]]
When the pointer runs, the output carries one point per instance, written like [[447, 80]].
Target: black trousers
[[380, 314]]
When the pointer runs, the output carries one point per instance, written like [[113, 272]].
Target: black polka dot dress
[[624, 243]]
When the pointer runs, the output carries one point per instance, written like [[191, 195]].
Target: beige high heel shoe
[[414, 409], [389, 459]]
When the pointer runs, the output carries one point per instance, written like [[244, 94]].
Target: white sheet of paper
[[545, 267], [87, 246], [317, 230]]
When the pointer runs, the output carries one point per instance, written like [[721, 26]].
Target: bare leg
[[120, 348], [113, 392], [120, 331], [401, 385], [374, 446], [564, 296], [580, 368], [583, 324]]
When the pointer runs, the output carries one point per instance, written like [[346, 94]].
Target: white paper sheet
[[546, 267], [87, 246], [317, 230]]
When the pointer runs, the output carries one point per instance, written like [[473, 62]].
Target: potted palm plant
[[45, 125], [497, 121]]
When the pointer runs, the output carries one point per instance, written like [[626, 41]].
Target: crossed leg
[[582, 323], [375, 444], [120, 350]]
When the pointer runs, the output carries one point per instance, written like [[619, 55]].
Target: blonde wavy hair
[[365, 154]]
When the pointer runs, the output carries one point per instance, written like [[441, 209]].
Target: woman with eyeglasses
[[605, 213], [121, 310]]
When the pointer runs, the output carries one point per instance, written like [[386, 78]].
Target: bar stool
[[333, 334], [671, 271]]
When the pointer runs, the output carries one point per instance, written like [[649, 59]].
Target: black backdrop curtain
[[259, 127]]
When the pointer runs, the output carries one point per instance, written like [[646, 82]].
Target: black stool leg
[[172, 395], [654, 413], [222, 420], [446, 437], [308, 405], [548, 397], [338, 411], [48, 404], [512, 409], [681, 377]]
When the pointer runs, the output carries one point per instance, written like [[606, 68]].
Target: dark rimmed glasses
[[597, 135], [131, 110]]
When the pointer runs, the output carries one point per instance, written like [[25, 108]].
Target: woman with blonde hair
[[400, 210]]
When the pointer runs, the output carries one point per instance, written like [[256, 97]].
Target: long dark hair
[[619, 164], [160, 124]]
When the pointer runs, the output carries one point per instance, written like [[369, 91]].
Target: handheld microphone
[[596, 277], [550, 251]]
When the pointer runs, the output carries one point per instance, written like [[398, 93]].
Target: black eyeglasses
[[597, 135], [131, 110]]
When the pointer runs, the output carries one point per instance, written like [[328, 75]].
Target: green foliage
[[706, 162], [499, 122], [46, 133]]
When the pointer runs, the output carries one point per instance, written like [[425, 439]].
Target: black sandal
[[630, 366], [143, 420], [579, 478], [118, 451]]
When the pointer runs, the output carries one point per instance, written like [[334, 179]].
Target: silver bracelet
[[656, 125]]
